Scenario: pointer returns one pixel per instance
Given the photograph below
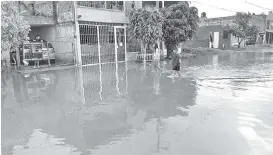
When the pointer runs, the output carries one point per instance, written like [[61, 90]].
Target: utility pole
[[77, 35]]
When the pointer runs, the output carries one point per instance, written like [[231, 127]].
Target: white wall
[[100, 15]]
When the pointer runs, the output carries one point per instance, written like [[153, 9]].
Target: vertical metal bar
[[116, 48], [78, 43], [98, 34], [125, 43], [86, 56], [100, 70], [87, 35]]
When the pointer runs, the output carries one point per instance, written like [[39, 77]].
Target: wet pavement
[[223, 104]]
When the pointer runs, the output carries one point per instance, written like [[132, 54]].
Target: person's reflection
[[51, 80], [19, 88], [117, 81], [215, 61], [156, 81], [158, 130], [3, 88]]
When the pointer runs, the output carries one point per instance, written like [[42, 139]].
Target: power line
[[221, 8], [215, 7], [258, 6]]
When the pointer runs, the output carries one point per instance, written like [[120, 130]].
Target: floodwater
[[223, 105]]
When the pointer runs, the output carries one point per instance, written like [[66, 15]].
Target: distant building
[[269, 28], [217, 30]]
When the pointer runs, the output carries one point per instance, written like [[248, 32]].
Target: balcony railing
[[107, 5]]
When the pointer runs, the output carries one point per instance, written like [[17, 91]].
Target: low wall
[[197, 43]]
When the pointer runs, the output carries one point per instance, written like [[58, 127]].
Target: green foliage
[[252, 31], [181, 22], [14, 27], [203, 15], [146, 26], [242, 29]]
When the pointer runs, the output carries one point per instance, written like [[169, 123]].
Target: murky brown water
[[222, 105]]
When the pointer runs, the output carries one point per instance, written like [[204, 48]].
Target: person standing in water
[[156, 57], [37, 62], [176, 64]]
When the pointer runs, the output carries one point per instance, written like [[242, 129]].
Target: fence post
[[77, 35], [125, 42], [116, 44], [98, 34]]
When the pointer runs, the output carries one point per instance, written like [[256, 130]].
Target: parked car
[[48, 51], [45, 49]]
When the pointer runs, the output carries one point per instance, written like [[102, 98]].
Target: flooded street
[[223, 105]]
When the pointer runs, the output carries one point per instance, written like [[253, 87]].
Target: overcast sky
[[211, 7]]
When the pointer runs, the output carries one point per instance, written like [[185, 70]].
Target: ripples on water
[[222, 104]]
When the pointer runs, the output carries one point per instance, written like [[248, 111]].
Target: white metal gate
[[101, 44]]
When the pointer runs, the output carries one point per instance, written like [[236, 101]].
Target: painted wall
[[258, 20], [203, 33], [100, 15]]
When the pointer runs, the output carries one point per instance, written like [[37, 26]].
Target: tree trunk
[[169, 51], [239, 43], [144, 57]]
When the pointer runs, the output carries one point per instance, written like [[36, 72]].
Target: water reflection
[[119, 109]]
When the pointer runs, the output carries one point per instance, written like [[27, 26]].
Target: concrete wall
[[101, 15], [259, 21], [203, 33]]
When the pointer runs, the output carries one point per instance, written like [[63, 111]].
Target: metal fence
[[104, 81], [102, 44]]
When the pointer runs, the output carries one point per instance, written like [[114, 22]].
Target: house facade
[[269, 29], [215, 31], [69, 25], [81, 31]]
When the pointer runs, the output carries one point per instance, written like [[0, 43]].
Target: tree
[[14, 27], [242, 27], [181, 22], [252, 31], [203, 15], [146, 26]]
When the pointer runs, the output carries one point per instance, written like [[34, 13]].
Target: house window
[[114, 5], [225, 35]]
